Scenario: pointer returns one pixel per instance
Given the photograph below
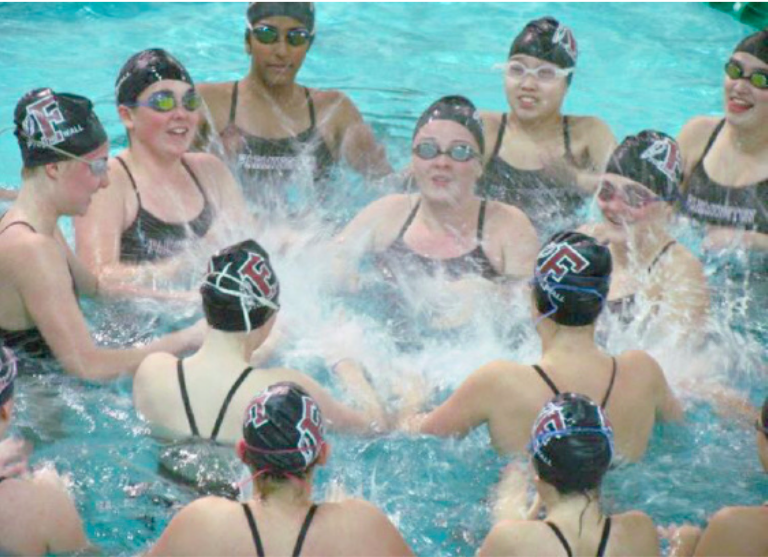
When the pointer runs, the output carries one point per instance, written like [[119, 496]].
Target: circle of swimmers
[[485, 186]]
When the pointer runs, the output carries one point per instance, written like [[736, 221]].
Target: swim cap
[[571, 443], [652, 159], [240, 291], [45, 118], [457, 109], [756, 45], [8, 372], [548, 40], [283, 430], [571, 278], [300, 11], [145, 68]]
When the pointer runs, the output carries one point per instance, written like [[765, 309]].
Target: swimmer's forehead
[[282, 22], [445, 130], [531, 61], [749, 61]]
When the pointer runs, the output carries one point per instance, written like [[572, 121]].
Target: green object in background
[[751, 13]]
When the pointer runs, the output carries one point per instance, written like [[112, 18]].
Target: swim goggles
[[545, 72], [460, 152], [267, 34], [758, 78], [98, 167], [633, 195], [165, 101]]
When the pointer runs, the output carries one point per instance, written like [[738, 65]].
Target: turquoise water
[[641, 66]]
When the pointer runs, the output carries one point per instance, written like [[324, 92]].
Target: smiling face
[[745, 104], [626, 204], [170, 133], [278, 62], [530, 97], [442, 178]]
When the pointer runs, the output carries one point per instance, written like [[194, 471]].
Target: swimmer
[[37, 514], [283, 440], [64, 148], [732, 530], [205, 394], [537, 158], [726, 159], [163, 201], [276, 132], [446, 229], [636, 195], [571, 282], [571, 450]]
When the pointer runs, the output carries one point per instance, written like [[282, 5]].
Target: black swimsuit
[[224, 406], [266, 166], [151, 239], [539, 195], [734, 207], [398, 254], [567, 546], [555, 390], [299, 540]]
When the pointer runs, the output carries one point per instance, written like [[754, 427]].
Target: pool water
[[641, 66]]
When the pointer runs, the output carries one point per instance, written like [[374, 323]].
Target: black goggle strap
[[248, 298]]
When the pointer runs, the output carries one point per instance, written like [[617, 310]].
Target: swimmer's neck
[[456, 218], [565, 509], [34, 207], [561, 341], [225, 350], [540, 128], [281, 95], [289, 495], [152, 162], [747, 140]]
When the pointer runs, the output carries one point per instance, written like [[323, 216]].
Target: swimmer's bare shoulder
[[381, 219], [693, 139], [510, 232], [491, 125], [635, 533], [642, 368], [735, 531], [151, 385], [218, 98], [591, 139]]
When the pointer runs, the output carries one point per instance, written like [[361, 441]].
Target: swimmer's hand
[[719, 238], [14, 455]]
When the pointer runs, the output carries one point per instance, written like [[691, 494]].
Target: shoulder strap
[[194, 178], [130, 177], [546, 379], [304, 528], [408, 221], [712, 139], [560, 537], [500, 135], [661, 253], [227, 400], [254, 530], [311, 106], [610, 385], [21, 222], [233, 104], [481, 220], [185, 398], [567, 140], [604, 538]]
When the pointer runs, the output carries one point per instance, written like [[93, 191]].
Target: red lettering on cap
[[564, 259], [42, 115], [310, 429], [257, 271]]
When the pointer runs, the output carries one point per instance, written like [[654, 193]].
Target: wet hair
[[571, 278], [756, 45], [547, 39], [283, 431], [571, 444], [303, 12], [240, 290], [145, 68], [44, 119], [650, 158], [456, 109], [8, 372]]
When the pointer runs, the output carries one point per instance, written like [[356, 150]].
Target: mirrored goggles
[[267, 34], [758, 78], [634, 195], [165, 101], [545, 72], [459, 152], [98, 167]]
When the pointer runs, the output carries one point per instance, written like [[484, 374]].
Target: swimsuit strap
[[254, 530], [195, 180], [500, 136], [481, 221], [227, 400], [408, 221], [567, 141], [712, 138], [560, 537], [233, 105], [610, 385], [185, 397], [659, 255], [604, 538], [546, 379], [130, 177], [304, 528], [2, 478], [21, 222], [311, 106]]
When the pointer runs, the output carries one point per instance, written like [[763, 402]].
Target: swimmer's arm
[[719, 237], [188, 533], [683, 540], [668, 407], [685, 305], [732, 531], [503, 540], [64, 527], [354, 379], [216, 100]]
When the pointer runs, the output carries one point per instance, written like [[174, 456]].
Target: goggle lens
[[460, 152], [757, 78], [634, 196], [518, 70], [99, 167], [266, 34], [165, 101]]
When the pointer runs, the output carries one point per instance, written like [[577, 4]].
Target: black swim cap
[[8, 372], [300, 11], [240, 291], [756, 45], [283, 430], [571, 443], [145, 68], [457, 109], [44, 118], [652, 159], [572, 278], [548, 40]]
